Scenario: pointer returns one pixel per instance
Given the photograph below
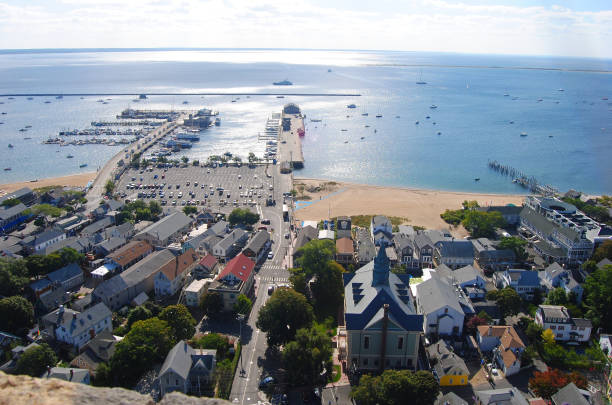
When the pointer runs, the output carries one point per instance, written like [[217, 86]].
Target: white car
[[270, 255]]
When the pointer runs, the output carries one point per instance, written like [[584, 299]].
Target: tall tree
[[16, 315], [243, 305], [547, 383], [315, 255], [139, 313], [307, 357], [283, 314], [516, 244], [212, 304], [507, 300], [598, 297], [180, 321], [35, 360], [482, 224], [557, 297], [13, 277], [328, 290], [604, 251], [394, 387]]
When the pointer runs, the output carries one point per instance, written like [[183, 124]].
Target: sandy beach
[[74, 180], [420, 207]]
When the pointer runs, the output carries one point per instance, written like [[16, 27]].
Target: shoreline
[[71, 180], [418, 207]]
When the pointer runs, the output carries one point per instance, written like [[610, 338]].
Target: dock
[[292, 127]]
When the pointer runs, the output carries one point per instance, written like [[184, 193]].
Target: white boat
[[433, 106], [421, 81]]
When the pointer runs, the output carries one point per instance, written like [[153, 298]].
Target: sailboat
[[420, 81]]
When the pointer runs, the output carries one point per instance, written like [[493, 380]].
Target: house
[[205, 217], [201, 243], [84, 326], [489, 257], [206, 268], [194, 292], [510, 213], [11, 217], [97, 226], [326, 234], [343, 227], [25, 195], [108, 207], [108, 246], [454, 253], [345, 254], [424, 250], [52, 320], [404, 248], [98, 350], [379, 314], [70, 277], [46, 238], [555, 276], [505, 344], [448, 367], [125, 230], [258, 246], [366, 251], [450, 398], [236, 278], [167, 230], [467, 277], [304, 235], [76, 375], [502, 396], [129, 254], [524, 282], [381, 230], [605, 343], [229, 246], [187, 370], [172, 276], [81, 244], [121, 289], [558, 320], [16, 353], [571, 394], [561, 229], [442, 306]]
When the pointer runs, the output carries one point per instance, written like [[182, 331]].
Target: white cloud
[[433, 25]]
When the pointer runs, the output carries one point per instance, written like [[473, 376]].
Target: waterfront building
[[555, 276], [236, 278]]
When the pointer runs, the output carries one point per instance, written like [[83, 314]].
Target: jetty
[[522, 179], [142, 123], [291, 131]]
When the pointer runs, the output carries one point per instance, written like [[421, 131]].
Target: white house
[[47, 238], [557, 319], [555, 276], [442, 306], [230, 245], [524, 282], [195, 290], [84, 326]]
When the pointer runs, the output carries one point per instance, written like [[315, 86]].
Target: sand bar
[[73, 180], [420, 207]]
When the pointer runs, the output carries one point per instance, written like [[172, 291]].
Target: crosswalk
[[274, 279], [272, 267]]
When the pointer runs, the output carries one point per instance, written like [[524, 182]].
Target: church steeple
[[381, 267]]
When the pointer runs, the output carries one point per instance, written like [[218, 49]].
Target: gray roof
[[582, 323], [406, 230], [448, 362], [436, 235], [114, 205], [364, 246], [167, 226], [65, 273], [305, 235], [502, 396], [402, 240], [59, 316], [549, 249], [421, 240], [554, 311], [435, 293], [183, 357], [98, 226], [258, 241], [8, 212], [502, 209], [547, 227], [465, 274], [16, 194], [111, 244], [450, 398], [604, 262], [124, 229], [86, 319], [456, 248], [80, 244], [217, 229], [63, 373], [570, 394], [46, 236], [380, 220], [230, 239]]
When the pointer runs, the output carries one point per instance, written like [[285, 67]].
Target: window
[[553, 327], [387, 362], [462, 381], [376, 363], [561, 327], [573, 327], [581, 328], [365, 362], [450, 380], [366, 342], [400, 343], [176, 382], [398, 363], [409, 364], [559, 335]]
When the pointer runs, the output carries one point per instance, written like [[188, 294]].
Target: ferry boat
[[59, 97], [433, 106], [7, 169], [351, 106], [523, 134], [378, 115], [365, 114], [69, 157], [83, 165], [217, 121], [283, 83]]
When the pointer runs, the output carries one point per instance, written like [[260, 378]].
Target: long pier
[[177, 94]]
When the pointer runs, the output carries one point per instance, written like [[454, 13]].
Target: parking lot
[[220, 189]]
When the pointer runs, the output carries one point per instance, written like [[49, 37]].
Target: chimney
[[383, 344]]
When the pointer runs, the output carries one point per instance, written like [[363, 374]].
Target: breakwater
[[522, 179]]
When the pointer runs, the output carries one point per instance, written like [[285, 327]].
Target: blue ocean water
[[568, 143]]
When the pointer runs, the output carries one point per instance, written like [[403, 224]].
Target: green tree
[[298, 281], [328, 290], [307, 357], [195, 162], [139, 313], [534, 332], [242, 216], [283, 314], [315, 255], [40, 221], [147, 343], [13, 277], [35, 360], [189, 209], [557, 297], [598, 297], [47, 210], [184, 159], [393, 387], [213, 341], [243, 305], [16, 315], [212, 304], [109, 187], [180, 320], [516, 244], [11, 202], [507, 300], [103, 376], [604, 251], [482, 224], [155, 208]]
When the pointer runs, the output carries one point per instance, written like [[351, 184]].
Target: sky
[[578, 28]]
